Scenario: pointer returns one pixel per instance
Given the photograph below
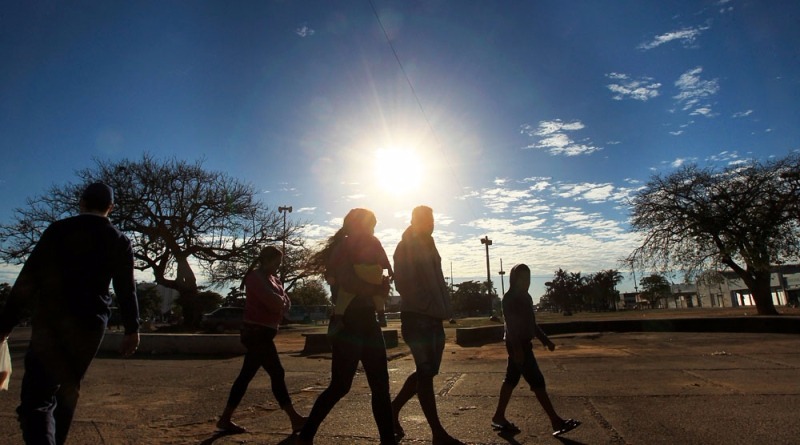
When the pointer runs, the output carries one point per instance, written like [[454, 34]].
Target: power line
[[421, 108]]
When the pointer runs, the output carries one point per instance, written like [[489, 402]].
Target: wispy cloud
[[742, 114], [687, 36], [643, 88], [692, 89], [552, 136], [678, 162], [304, 31]]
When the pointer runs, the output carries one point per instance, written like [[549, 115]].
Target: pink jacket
[[266, 301]]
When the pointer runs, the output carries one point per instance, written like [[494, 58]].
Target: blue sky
[[530, 122]]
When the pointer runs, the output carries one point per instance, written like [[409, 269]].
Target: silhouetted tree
[[654, 288], [470, 297], [600, 291], [310, 292], [178, 216], [565, 290], [744, 217]]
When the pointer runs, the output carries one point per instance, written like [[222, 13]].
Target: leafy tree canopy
[[179, 217]]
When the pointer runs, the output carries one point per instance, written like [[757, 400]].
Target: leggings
[[261, 353], [360, 339]]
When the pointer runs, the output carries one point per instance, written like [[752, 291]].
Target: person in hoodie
[[265, 305], [520, 330], [424, 305]]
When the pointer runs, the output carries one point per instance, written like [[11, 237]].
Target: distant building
[[730, 290]]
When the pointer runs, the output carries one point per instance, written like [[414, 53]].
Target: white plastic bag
[[5, 366]]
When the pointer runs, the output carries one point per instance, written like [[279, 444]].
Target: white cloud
[[681, 161], [642, 89], [692, 89], [304, 31], [553, 138], [676, 133], [742, 114], [686, 35]]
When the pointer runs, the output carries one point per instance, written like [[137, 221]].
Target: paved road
[[633, 388]]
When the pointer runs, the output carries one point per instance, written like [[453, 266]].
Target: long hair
[[515, 275], [354, 222], [266, 255]]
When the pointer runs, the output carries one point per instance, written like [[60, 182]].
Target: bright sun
[[398, 171]]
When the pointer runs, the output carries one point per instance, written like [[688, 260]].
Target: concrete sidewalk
[[631, 388]]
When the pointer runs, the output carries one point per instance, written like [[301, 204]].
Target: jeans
[[261, 353], [359, 338], [57, 359]]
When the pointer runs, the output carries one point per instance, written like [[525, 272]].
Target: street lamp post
[[284, 210], [485, 240], [502, 283]]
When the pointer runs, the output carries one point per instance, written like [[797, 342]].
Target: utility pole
[[284, 210], [485, 240], [502, 284]]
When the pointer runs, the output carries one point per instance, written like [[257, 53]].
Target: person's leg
[[37, 399], [81, 349], [533, 375], [376, 368], [344, 362], [425, 337], [271, 363], [250, 365], [509, 383], [407, 391]]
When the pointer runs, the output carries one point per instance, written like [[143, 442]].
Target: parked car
[[223, 319]]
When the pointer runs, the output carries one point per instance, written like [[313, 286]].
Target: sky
[[529, 122]]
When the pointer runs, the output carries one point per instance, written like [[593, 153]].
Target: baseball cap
[[98, 196]]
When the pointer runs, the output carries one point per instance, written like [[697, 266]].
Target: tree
[[744, 217], [470, 297], [310, 292], [600, 291], [654, 288], [178, 216], [565, 290]]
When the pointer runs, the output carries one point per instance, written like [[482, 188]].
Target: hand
[[129, 344], [549, 344]]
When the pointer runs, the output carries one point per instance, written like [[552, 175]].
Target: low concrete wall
[[318, 342], [210, 344], [478, 335]]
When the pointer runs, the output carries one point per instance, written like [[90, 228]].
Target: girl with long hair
[[265, 305]]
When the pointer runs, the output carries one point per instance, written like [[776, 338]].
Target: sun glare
[[398, 171]]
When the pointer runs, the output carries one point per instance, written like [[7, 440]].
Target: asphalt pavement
[[625, 388]]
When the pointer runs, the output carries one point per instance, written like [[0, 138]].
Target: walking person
[[521, 329], [65, 281], [424, 305], [355, 335], [266, 303]]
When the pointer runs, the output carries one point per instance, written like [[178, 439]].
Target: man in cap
[[65, 282]]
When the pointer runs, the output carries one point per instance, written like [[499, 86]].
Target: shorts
[[424, 335], [529, 369]]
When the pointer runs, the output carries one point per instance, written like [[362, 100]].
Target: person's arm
[[348, 281], [539, 333], [125, 288], [260, 286], [25, 287]]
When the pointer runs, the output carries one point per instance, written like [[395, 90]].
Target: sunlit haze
[[530, 122]]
